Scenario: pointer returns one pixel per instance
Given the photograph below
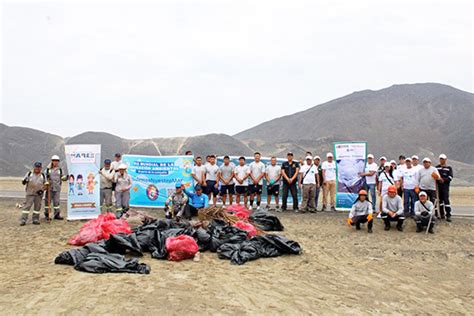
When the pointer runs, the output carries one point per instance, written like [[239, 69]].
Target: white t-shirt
[[410, 178], [241, 172], [387, 181], [368, 168], [417, 167], [396, 174], [211, 172], [256, 169], [330, 168], [310, 172], [273, 172], [198, 171]]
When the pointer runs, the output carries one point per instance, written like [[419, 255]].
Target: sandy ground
[[342, 271]]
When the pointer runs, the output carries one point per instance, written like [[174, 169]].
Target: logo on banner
[[82, 157]]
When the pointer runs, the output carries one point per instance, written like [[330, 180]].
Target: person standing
[[382, 162], [317, 163], [307, 182], [361, 212], [289, 172], [401, 163], [54, 178], [273, 176], [396, 174], [106, 180], [392, 208], [226, 177], [241, 173], [123, 184], [329, 185], [370, 174], [210, 179], [117, 162], [408, 183], [35, 184], [415, 162], [424, 214], [386, 179], [257, 172], [198, 172], [446, 176], [426, 179]]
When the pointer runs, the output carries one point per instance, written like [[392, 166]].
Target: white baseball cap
[[329, 155], [423, 193], [122, 166], [383, 158], [309, 157], [443, 156], [370, 156], [426, 159], [408, 159], [386, 164], [393, 161], [317, 157], [415, 157]]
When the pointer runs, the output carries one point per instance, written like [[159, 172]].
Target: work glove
[[434, 175], [370, 217], [349, 221], [417, 189]]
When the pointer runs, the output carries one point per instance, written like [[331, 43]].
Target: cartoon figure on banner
[[79, 184], [91, 183], [188, 168], [152, 192], [71, 184]]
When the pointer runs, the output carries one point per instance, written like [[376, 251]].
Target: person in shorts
[[257, 172], [226, 178], [273, 176], [241, 173], [210, 179]]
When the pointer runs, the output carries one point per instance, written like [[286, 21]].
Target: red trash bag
[[239, 211], [249, 228], [181, 247], [114, 227]]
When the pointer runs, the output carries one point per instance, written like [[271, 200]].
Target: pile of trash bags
[[172, 240]]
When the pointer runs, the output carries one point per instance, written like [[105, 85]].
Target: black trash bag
[[266, 221], [120, 243], [76, 255], [222, 233], [203, 238], [111, 262], [275, 245], [239, 253]]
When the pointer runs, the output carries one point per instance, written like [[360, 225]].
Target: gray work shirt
[[35, 183], [425, 178], [54, 178]]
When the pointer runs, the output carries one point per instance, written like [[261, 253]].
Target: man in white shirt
[[198, 172], [308, 181], [257, 172], [273, 176], [210, 178], [329, 178], [415, 162], [370, 174], [408, 182], [241, 173]]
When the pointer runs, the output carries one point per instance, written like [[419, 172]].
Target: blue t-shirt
[[198, 201]]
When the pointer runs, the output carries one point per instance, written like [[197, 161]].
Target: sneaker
[[369, 230], [312, 210], [448, 219], [386, 228], [58, 217], [296, 211], [22, 223], [333, 209], [267, 207], [323, 209], [400, 228], [36, 223], [419, 229], [357, 227], [431, 231], [258, 208]]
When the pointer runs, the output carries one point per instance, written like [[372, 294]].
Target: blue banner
[[155, 177], [83, 163]]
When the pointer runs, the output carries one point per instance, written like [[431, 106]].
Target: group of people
[[418, 185]]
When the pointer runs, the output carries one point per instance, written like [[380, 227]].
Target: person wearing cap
[[210, 179], [123, 184], [426, 179], [408, 181], [317, 163], [444, 182], [257, 172], [289, 172], [386, 179], [308, 180], [370, 174], [106, 180], [329, 181], [392, 208], [35, 185], [179, 201], [382, 162], [226, 177], [273, 176], [197, 201], [415, 161], [241, 173], [361, 212], [54, 177], [198, 171], [424, 214], [396, 175]]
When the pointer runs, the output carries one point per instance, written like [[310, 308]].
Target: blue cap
[[37, 164], [107, 161], [178, 184], [197, 188]]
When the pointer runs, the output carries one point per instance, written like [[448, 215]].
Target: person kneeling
[[424, 214], [392, 208], [178, 201], [197, 201], [361, 212]]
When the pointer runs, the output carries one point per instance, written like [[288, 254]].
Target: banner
[[83, 164], [350, 161], [155, 177]]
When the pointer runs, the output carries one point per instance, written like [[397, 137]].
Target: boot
[[357, 226], [36, 220], [448, 218], [369, 230], [430, 230], [400, 228], [58, 217], [23, 219], [333, 209], [387, 227]]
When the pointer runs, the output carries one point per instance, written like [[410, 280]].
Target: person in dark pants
[[392, 208], [196, 202], [426, 179], [446, 176], [289, 171], [361, 212], [424, 214], [317, 163]]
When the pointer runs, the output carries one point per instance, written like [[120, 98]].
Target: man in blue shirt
[[197, 201]]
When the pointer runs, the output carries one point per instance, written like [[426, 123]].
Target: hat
[[107, 161], [383, 158], [122, 166], [370, 156], [329, 155], [386, 164], [362, 192], [309, 157], [55, 157], [423, 193], [37, 164], [426, 159], [197, 188], [408, 159], [392, 189], [415, 157], [289, 153], [443, 156], [178, 184], [317, 157], [393, 162]]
